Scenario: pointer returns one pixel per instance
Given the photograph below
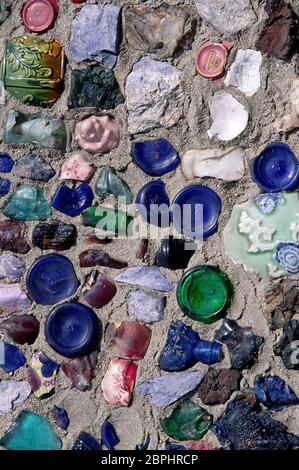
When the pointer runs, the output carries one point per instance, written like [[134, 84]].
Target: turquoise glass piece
[[27, 203], [109, 182], [30, 431]]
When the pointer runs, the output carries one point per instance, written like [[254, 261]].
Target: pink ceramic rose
[[97, 134]]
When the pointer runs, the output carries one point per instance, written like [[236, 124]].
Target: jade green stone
[[30, 431], [109, 183], [27, 203], [204, 293], [188, 421], [106, 219]]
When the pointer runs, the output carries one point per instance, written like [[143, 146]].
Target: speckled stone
[[147, 277], [145, 307]]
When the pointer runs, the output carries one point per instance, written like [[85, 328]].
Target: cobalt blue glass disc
[[51, 279], [186, 217], [72, 329], [153, 203], [72, 201], [155, 157], [276, 169]]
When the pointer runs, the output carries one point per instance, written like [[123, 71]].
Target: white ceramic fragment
[[290, 121], [244, 73], [229, 117], [227, 165], [13, 392]]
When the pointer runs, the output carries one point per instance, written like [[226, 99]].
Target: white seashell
[[244, 73], [290, 121], [225, 164], [229, 117]]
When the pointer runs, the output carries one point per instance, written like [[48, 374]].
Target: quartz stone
[[40, 130], [72, 201], [273, 392], [242, 343], [147, 277], [287, 347], [106, 219], [118, 382], [167, 389], [97, 134], [255, 229], [33, 167], [218, 385], [95, 34], [12, 237], [86, 441], [5, 185], [226, 16], [152, 203], [229, 117], [33, 70], [174, 253], [281, 302], [5, 9], [204, 293], [187, 421], [80, 371], [90, 258], [30, 431], [12, 298], [6, 162], [13, 357], [128, 340], [145, 307], [98, 290], [54, 235], [11, 266], [280, 34], [27, 203], [12, 393], [244, 73], [76, 168], [155, 96], [184, 348], [21, 329], [42, 375], [109, 436], [159, 31], [94, 87], [109, 182], [155, 157], [60, 417], [227, 165], [244, 426]]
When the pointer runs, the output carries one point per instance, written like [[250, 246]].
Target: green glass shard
[[109, 183], [106, 219], [27, 203]]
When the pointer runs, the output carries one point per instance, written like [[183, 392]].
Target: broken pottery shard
[[227, 165], [109, 182], [128, 340], [242, 343], [109, 436], [273, 392], [244, 426], [290, 121], [33, 167], [12, 298], [118, 382], [22, 329], [60, 417], [11, 266], [147, 277], [160, 31], [98, 290], [281, 302], [218, 385], [86, 441], [145, 307], [42, 375], [287, 346], [91, 257], [12, 356], [155, 97], [244, 73], [280, 34], [12, 237], [169, 388], [187, 421], [30, 431], [229, 117], [54, 235], [76, 168], [12, 392], [95, 34], [81, 371], [97, 134], [27, 203], [227, 16]]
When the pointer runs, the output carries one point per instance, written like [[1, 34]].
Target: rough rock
[[281, 302], [145, 307], [244, 73], [33, 167], [218, 385], [12, 392]]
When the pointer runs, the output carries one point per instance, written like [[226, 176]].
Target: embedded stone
[[12, 393], [273, 392], [218, 385], [98, 290], [60, 417], [118, 382], [54, 235], [97, 134], [12, 298], [12, 237], [155, 157], [13, 357], [22, 329], [281, 302], [95, 34], [286, 346], [145, 307], [11, 266], [155, 97], [229, 117], [128, 340], [6, 162], [42, 375], [109, 182], [91, 257], [80, 371], [27, 203], [244, 73], [33, 167], [71, 201], [147, 277], [76, 168]]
